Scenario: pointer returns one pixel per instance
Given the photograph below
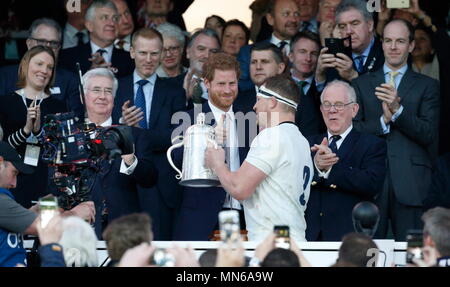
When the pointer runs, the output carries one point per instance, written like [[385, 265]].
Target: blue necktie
[[359, 63], [333, 145], [140, 102]]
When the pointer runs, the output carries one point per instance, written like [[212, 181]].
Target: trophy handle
[[169, 155]]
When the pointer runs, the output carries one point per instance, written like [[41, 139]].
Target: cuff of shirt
[[323, 174], [320, 86], [386, 128], [128, 170], [397, 114]]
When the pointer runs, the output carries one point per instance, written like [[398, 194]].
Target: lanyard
[[22, 94]]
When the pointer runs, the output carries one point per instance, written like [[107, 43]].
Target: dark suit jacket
[[439, 191], [200, 207], [412, 140], [121, 191], [245, 82], [167, 100], [357, 176], [65, 81], [308, 117], [69, 57]]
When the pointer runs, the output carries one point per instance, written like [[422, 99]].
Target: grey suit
[[411, 142]]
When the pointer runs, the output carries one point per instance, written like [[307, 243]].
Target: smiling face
[[264, 66], [396, 45], [199, 51], [304, 57], [99, 97], [285, 19], [338, 122], [147, 55], [173, 52], [40, 70], [352, 23], [103, 27], [233, 39], [223, 88]]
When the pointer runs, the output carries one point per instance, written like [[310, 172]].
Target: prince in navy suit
[[349, 166], [146, 101]]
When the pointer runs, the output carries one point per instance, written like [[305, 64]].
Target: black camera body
[[76, 151]]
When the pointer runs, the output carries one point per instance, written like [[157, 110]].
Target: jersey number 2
[[306, 173]]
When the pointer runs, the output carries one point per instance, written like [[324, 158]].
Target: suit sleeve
[[422, 126], [360, 122], [367, 179], [145, 172]]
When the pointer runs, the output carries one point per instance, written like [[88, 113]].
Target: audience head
[[10, 166], [235, 35], [158, 8], [79, 243], [308, 9], [304, 53], [266, 60], [398, 42], [146, 50], [424, 46], [37, 69], [284, 17], [127, 232], [173, 40], [436, 230], [202, 43], [45, 32], [125, 26], [280, 257], [101, 22], [353, 19], [338, 106], [327, 11], [354, 250], [215, 23]]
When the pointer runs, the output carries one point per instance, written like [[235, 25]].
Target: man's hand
[[131, 115], [430, 257], [221, 131], [128, 159], [298, 251], [214, 158], [184, 257], [344, 66], [388, 94], [138, 256], [265, 247], [189, 84], [324, 157], [324, 62], [231, 254], [85, 210], [98, 61], [52, 232], [387, 114]]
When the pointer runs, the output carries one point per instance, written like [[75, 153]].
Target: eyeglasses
[[338, 106], [51, 44], [114, 18], [171, 49], [99, 91]]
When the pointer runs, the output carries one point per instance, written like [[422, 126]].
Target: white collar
[[401, 71], [151, 79], [343, 135], [108, 49], [106, 123], [308, 80], [217, 111], [274, 40]]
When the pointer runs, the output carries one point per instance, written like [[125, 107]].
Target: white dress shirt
[[70, 39], [287, 48], [109, 50], [148, 91]]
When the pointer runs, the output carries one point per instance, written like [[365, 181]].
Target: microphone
[[365, 216]]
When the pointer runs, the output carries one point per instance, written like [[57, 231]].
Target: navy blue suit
[[162, 200], [65, 86], [200, 207], [120, 59], [121, 191], [357, 176], [245, 82], [308, 117]]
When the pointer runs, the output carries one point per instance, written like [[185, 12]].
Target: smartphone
[[336, 45], [282, 239], [162, 258], [229, 225], [48, 208], [414, 240], [395, 4]]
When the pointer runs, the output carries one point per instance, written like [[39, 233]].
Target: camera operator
[[117, 188], [16, 220]]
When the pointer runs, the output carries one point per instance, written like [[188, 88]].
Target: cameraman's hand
[[324, 62], [52, 232], [85, 210], [344, 66], [138, 256], [131, 115], [184, 257]]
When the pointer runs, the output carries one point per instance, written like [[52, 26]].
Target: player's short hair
[[285, 87]]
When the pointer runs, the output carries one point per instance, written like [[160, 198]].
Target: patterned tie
[[333, 145], [120, 44], [301, 85], [140, 102], [79, 35], [227, 126], [359, 63], [101, 52], [392, 76]]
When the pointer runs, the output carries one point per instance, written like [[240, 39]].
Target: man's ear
[[281, 68], [207, 83], [89, 26], [270, 19], [132, 52], [29, 44]]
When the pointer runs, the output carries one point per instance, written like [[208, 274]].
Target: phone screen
[[395, 4], [282, 239], [48, 208], [414, 240], [229, 225]]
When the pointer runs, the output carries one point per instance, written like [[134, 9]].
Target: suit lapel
[[406, 83], [373, 55], [347, 145], [158, 99]]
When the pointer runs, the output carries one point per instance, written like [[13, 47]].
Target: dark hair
[[263, 46], [354, 249], [208, 258], [25, 63], [220, 61], [307, 35], [220, 19], [437, 226], [127, 232], [236, 22], [359, 5], [280, 257], [147, 33], [206, 32], [285, 87], [408, 25]]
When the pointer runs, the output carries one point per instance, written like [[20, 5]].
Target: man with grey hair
[[101, 18], [125, 26], [118, 185], [173, 41], [47, 32], [349, 166], [355, 21]]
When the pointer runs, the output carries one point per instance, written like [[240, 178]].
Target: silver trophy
[[194, 172]]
